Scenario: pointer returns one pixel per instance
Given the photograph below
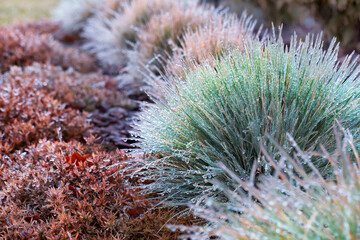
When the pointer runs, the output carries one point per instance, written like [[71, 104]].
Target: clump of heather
[[28, 113], [291, 204], [80, 91], [222, 114], [22, 46], [38, 27], [210, 42], [68, 190]]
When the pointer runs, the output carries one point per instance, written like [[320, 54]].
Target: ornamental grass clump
[[223, 113], [109, 36], [292, 204], [164, 31], [157, 41], [73, 15], [211, 41]]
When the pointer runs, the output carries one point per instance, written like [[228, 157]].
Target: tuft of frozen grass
[[223, 113], [108, 36], [158, 39], [165, 31], [74, 15], [211, 41], [292, 204]]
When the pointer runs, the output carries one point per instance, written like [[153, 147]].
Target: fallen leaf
[[135, 211], [76, 159], [74, 191], [32, 218]]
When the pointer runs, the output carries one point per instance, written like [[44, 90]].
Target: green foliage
[[223, 113], [292, 204]]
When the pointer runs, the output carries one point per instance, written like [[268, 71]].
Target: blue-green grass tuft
[[222, 114]]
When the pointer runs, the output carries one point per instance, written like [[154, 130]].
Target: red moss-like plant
[[20, 46], [28, 113], [52, 184], [45, 196], [81, 91], [38, 27]]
